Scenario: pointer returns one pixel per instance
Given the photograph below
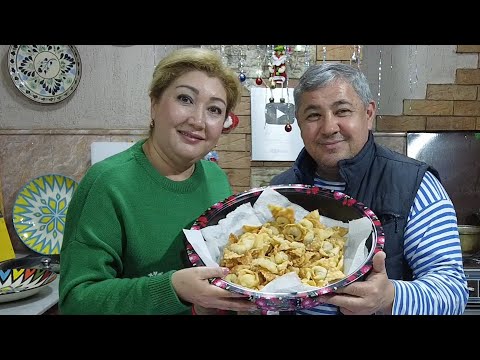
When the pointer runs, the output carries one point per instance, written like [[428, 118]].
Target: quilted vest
[[383, 180]]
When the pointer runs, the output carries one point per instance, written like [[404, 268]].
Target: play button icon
[[279, 113]]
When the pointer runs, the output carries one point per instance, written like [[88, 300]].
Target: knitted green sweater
[[123, 235]]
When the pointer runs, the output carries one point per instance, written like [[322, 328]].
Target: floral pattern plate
[[16, 284], [46, 74], [39, 212]]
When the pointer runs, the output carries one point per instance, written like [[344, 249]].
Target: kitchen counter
[[34, 305]]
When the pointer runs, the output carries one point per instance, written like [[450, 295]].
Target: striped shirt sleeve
[[432, 250]]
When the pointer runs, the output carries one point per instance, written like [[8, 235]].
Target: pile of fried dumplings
[[261, 254]]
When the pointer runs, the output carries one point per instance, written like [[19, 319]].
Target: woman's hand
[[191, 285]]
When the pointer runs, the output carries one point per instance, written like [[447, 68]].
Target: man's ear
[[371, 111]]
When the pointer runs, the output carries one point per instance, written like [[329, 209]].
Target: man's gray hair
[[320, 75]]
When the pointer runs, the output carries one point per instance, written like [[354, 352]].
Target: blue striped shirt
[[432, 250]]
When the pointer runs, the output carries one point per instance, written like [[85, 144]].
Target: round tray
[[332, 204]]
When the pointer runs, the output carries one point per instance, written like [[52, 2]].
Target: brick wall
[[449, 107], [446, 107]]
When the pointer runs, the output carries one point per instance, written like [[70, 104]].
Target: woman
[[123, 250]]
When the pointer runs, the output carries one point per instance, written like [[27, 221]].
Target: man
[[420, 270]]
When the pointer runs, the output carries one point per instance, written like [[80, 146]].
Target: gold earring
[[152, 124]]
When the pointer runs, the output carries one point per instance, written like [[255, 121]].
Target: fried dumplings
[[308, 248]]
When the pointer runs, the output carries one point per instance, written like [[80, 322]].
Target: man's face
[[334, 124]]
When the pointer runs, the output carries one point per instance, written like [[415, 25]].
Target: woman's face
[[189, 117]]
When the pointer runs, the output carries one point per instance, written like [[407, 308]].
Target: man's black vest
[[384, 181]]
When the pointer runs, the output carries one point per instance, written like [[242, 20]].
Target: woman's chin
[[191, 158]]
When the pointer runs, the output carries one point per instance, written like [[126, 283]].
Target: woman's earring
[[152, 124]]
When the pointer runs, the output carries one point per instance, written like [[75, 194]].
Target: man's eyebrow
[[342, 102], [336, 103]]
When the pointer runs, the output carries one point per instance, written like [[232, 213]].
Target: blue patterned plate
[[45, 73], [39, 212]]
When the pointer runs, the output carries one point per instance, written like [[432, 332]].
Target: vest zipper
[[387, 217]]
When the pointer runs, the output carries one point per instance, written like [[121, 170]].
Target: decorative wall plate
[[16, 284], [39, 212], [46, 74]]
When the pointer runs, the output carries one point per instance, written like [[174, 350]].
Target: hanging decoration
[[277, 75], [307, 56], [359, 55], [356, 57], [260, 59], [412, 73], [253, 63], [416, 65], [242, 77], [230, 123], [211, 156], [269, 66], [379, 80], [223, 55], [277, 67]]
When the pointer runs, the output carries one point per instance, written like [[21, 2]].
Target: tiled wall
[[26, 154], [446, 107]]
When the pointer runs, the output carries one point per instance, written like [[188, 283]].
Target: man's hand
[[374, 295]]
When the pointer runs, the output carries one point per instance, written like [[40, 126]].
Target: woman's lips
[[191, 137]]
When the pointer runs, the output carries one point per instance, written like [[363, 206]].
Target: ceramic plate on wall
[[16, 284], [39, 212], [46, 74]]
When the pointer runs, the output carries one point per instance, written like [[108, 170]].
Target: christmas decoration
[[211, 156], [277, 66], [230, 123]]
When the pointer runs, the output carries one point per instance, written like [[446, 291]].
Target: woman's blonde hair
[[181, 61]]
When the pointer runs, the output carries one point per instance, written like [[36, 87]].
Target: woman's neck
[[165, 167]]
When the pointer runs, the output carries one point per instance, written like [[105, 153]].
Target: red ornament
[[288, 128], [258, 81], [230, 123]]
